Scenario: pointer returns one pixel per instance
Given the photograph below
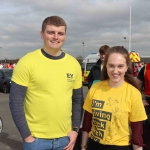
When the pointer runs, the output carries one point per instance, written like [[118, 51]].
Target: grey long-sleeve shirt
[[17, 94], [16, 103]]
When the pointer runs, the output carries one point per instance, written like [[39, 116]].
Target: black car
[[5, 79]]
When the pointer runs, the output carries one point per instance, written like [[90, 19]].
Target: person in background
[[144, 78], [135, 70], [95, 72], [7, 65], [114, 105], [139, 66], [1, 65], [46, 96], [11, 66], [14, 64]]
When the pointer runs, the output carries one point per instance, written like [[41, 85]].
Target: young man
[[46, 94], [95, 72]]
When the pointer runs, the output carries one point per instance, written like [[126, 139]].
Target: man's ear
[[41, 33]]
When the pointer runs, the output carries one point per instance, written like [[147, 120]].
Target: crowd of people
[[47, 104], [7, 65]]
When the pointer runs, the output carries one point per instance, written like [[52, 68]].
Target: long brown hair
[[128, 77]]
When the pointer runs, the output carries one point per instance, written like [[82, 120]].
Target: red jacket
[[147, 79]]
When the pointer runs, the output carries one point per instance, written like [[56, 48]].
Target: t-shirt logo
[[70, 77]]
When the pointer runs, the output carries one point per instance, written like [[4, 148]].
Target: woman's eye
[[120, 66]]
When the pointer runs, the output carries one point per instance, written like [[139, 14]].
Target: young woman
[[113, 107]]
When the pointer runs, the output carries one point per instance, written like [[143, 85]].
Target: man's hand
[[73, 136], [29, 139], [145, 103]]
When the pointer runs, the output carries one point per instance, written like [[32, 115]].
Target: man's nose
[[56, 36]]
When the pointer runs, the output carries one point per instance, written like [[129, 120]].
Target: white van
[[87, 64]]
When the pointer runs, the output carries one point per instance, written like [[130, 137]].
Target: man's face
[[102, 56], [53, 37]]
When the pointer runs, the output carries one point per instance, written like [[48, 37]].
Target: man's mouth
[[55, 42]]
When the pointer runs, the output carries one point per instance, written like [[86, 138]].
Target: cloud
[[95, 23]]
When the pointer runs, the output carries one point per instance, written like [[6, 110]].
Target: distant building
[[5, 61], [145, 59]]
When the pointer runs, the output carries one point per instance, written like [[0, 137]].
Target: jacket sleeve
[[16, 104], [137, 132], [90, 79], [87, 122]]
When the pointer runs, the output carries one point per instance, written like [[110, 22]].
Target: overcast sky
[[94, 22]]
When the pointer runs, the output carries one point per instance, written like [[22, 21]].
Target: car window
[[89, 66], [8, 73]]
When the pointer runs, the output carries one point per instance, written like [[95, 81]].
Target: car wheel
[[5, 88]]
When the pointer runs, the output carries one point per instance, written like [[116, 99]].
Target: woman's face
[[116, 68]]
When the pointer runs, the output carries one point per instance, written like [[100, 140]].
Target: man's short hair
[[103, 49], [53, 20]]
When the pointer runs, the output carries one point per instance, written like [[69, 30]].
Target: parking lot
[[10, 138]]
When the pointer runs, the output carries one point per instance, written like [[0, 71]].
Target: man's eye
[[50, 32], [61, 33]]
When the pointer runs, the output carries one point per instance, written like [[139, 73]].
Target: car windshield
[[89, 66], [8, 73]]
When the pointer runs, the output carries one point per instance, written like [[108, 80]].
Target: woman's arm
[[84, 140], [136, 147], [86, 128], [137, 132]]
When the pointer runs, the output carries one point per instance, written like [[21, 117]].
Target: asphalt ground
[[10, 138]]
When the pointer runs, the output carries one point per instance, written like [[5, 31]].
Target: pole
[[1, 55], [125, 41], [83, 49], [130, 33]]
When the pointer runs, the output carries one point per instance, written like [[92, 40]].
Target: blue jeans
[[47, 144]]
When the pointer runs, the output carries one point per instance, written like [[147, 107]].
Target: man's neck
[[53, 52]]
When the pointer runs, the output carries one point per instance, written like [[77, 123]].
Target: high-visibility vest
[[134, 57], [147, 79]]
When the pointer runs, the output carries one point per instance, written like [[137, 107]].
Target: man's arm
[[77, 104], [16, 104], [90, 79]]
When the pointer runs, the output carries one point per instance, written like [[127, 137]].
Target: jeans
[[47, 144]]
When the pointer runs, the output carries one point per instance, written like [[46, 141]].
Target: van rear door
[[87, 71]]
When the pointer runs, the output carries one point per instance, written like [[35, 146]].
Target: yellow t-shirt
[[50, 84], [113, 109]]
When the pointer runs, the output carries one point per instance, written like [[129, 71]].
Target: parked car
[[5, 79]]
